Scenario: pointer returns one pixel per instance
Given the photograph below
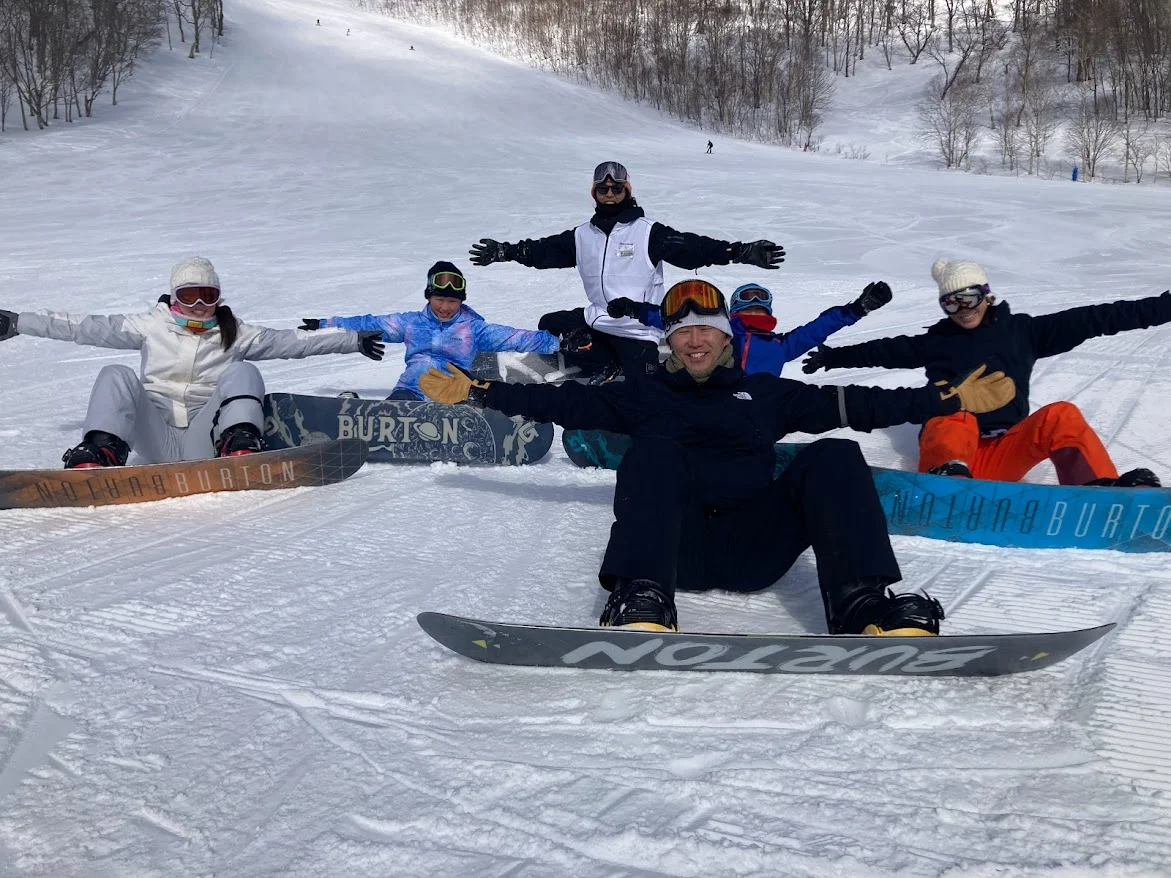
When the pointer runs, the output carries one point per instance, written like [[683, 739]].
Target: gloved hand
[[873, 297], [455, 388], [578, 340], [644, 312], [310, 323], [488, 251], [978, 392], [7, 324], [762, 254], [371, 345], [816, 360]]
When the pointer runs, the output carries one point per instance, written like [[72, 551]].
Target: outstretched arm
[[104, 331], [555, 251], [263, 343], [392, 326], [498, 337], [691, 251], [900, 352], [1057, 333]]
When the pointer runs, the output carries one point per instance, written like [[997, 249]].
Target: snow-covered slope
[[235, 685]]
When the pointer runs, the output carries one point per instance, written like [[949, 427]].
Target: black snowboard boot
[[238, 439], [640, 603], [97, 449], [951, 468], [1135, 478], [867, 607]]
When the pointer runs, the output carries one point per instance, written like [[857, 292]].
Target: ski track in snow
[[235, 685]]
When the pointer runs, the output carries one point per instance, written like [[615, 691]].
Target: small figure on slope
[[620, 253], [695, 504], [195, 396], [1004, 444], [447, 330], [755, 345]]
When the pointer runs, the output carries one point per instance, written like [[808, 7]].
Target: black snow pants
[[635, 356]]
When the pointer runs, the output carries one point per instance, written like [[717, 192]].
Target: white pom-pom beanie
[[194, 271], [957, 274]]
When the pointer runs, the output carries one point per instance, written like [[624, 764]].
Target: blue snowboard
[[406, 431], [1015, 514]]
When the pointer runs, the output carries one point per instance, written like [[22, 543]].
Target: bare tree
[[1092, 132], [949, 121]]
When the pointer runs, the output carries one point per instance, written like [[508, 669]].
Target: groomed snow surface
[[235, 685]]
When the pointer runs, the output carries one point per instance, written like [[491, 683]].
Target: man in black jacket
[[619, 253], [695, 504], [1003, 445]]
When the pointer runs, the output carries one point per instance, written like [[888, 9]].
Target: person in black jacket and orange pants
[[1003, 445]]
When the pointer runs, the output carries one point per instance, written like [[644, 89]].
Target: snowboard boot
[[867, 607], [243, 438], [642, 604], [951, 468], [95, 450], [1135, 478]]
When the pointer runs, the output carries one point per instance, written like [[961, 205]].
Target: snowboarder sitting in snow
[[195, 397], [618, 253], [755, 346], [695, 504], [448, 330], [1004, 444]]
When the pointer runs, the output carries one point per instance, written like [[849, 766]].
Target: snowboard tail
[[960, 655], [314, 465], [406, 430], [1016, 514]]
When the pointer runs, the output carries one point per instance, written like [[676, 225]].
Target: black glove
[[762, 254], [873, 297], [816, 360], [488, 251], [310, 324], [578, 340], [623, 307], [7, 324], [370, 344]]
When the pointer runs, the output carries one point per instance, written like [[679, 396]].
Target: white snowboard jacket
[[180, 366]]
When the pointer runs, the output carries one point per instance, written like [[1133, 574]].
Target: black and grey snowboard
[[953, 655], [525, 368], [322, 464], [406, 431]]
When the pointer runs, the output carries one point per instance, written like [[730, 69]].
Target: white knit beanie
[[194, 271], [953, 275], [719, 321]]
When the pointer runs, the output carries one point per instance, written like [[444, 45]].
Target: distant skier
[[319, 22], [709, 147], [1004, 444], [620, 253], [195, 397], [755, 345], [447, 330], [696, 504], [347, 31]]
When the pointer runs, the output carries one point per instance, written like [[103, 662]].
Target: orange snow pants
[[1057, 432]]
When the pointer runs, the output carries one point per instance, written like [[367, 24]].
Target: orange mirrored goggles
[[692, 297]]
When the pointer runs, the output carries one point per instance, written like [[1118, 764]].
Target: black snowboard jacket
[[727, 424], [681, 249], [1003, 340]]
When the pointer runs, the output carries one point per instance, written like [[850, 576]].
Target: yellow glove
[[455, 388], [979, 392]]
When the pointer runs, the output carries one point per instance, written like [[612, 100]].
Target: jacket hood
[[606, 216]]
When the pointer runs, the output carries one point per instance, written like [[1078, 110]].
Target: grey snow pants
[[120, 404]]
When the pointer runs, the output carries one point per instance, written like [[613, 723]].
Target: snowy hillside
[[235, 685]]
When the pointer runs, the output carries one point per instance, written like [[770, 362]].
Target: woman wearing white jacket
[[195, 397]]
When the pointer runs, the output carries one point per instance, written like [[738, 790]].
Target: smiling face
[[970, 318], [609, 192], [444, 307], [698, 348], [198, 303]]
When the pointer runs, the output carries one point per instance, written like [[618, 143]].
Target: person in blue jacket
[[447, 330], [756, 347], [695, 502]]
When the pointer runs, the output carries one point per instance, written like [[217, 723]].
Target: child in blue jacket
[[756, 347], [447, 330]]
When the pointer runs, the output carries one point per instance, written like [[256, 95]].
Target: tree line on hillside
[[1019, 71], [58, 56]]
